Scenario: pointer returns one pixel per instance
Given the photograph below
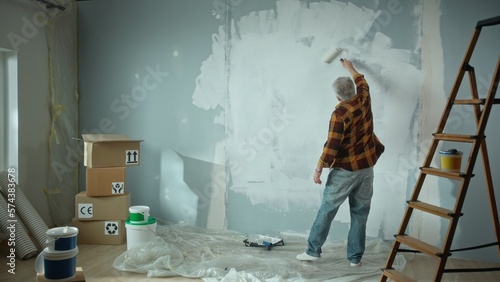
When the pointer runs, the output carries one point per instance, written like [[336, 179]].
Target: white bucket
[[139, 214], [57, 265], [62, 238], [140, 233]]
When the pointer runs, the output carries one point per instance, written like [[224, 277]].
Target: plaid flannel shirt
[[352, 144]]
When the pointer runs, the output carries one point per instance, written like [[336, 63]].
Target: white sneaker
[[355, 264], [306, 257]]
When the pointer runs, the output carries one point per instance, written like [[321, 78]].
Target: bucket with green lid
[[138, 214], [141, 228]]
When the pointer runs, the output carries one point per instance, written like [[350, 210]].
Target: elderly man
[[350, 152]]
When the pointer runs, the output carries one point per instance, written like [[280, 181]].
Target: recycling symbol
[[111, 228]]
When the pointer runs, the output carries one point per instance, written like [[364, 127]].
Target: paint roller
[[332, 55]]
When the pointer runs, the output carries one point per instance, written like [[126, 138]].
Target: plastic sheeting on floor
[[221, 255]]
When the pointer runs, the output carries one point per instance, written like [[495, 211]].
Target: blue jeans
[[340, 185]]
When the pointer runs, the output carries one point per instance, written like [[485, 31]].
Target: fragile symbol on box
[[85, 210], [131, 157], [111, 228], [117, 187]]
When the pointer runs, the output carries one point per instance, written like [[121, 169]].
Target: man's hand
[[348, 66], [316, 176]]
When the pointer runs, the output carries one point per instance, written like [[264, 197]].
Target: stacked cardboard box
[[102, 209]]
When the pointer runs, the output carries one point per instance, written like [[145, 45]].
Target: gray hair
[[344, 88]]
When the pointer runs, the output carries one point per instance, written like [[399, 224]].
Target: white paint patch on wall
[[273, 93]]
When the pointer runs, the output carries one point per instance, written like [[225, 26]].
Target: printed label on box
[[111, 228], [117, 187], [131, 157], [85, 210]]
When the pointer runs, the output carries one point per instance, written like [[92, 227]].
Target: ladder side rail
[[474, 93], [486, 163], [491, 192], [402, 229], [390, 259], [488, 22], [485, 157], [458, 81], [490, 100]]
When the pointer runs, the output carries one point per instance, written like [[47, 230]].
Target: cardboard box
[[105, 181], [110, 150], [100, 232], [101, 208]]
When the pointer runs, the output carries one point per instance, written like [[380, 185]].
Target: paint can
[[139, 214], [140, 232], [62, 238], [451, 160], [57, 265]]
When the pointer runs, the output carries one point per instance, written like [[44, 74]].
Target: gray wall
[[234, 107], [116, 54], [20, 32]]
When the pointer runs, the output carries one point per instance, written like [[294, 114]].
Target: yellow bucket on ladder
[[451, 160]]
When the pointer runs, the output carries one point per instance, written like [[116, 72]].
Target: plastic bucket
[[139, 214], [62, 238], [56, 265], [140, 233], [451, 160]]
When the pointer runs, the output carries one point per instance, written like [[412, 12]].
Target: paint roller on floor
[[263, 241]]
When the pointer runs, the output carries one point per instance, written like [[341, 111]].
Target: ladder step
[[439, 211], [470, 102], [396, 275], [455, 137], [475, 101], [419, 245], [439, 172]]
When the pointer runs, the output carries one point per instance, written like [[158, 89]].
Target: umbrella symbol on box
[[117, 187]]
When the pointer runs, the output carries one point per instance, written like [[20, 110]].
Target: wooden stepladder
[[482, 108]]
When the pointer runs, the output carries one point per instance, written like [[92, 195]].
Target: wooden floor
[[97, 264], [96, 261]]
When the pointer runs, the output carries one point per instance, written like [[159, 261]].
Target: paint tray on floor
[[263, 241]]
